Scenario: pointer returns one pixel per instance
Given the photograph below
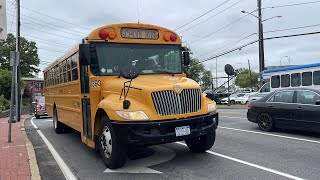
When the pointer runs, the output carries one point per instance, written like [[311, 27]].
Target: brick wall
[[24, 110]]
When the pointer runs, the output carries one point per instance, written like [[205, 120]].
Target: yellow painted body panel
[[67, 96]]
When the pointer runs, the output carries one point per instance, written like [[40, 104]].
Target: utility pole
[[250, 75], [18, 95], [261, 45]]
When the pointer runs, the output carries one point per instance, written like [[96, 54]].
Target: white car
[[232, 98], [243, 99]]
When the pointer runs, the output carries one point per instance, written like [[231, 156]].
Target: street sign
[[3, 20]]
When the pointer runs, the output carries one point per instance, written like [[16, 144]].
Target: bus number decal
[[96, 83]]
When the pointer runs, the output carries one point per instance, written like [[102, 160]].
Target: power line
[[50, 33], [211, 16], [289, 5], [220, 29], [287, 29], [228, 45], [52, 50], [49, 24], [62, 20], [202, 15], [292, 35]]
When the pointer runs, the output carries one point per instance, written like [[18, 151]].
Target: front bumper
[[159, 132], [41, 113]]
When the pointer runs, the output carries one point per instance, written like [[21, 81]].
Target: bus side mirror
[[84, 54], [318, 103], [186, 58]]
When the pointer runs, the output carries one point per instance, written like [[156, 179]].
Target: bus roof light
[[166, 37], [103, 34], [173, 37], [111, 35]]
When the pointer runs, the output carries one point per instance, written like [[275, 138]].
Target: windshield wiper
[[163, 71]]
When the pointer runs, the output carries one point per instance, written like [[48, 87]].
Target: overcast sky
[[73, 19]]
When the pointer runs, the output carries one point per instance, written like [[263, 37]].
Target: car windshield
[[41, 100], [148, 58]]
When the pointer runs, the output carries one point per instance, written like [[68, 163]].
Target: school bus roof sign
[[135, 33]]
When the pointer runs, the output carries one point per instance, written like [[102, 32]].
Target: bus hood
[[150, 83]]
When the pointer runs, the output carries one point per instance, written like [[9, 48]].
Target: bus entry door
[[85, 99]]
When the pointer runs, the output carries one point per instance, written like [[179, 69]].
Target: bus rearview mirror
[[318, 102], [84, 54], [186, 58]]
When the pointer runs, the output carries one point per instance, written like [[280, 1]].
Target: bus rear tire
[[112, 150], [58, 126], [201, 143]]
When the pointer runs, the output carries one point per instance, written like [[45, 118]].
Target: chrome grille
[[168, 102]]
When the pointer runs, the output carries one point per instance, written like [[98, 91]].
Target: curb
[[232, 107], [35, 174]]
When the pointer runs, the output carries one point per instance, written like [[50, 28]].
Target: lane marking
[[269, 134], [251, 164], [161, 155], [46, 121], [63, 166], [233, 117]]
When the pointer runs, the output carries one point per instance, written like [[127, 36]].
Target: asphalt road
[[241, 151]]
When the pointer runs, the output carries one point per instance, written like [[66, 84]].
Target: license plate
[[182, 131]]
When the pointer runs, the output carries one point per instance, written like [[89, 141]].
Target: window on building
[[285, 80], [275, 81], [295, 79]]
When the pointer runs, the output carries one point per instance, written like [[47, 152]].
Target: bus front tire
[[58, 126], [37, 117], [112, 150], [201, 143]]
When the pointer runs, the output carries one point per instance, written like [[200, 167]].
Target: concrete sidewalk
[[14, 158]]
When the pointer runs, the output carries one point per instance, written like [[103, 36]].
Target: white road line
[[251, 164], [63, 166], [269, 134], [233, 117]]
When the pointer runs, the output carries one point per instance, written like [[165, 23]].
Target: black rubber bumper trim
[[159, 132]]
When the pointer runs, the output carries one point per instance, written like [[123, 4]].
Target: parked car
[[217, 97], [243, 99], [297, 108], [40, 109], [232, 98]]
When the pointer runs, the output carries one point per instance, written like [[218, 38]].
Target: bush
[[4, 103]]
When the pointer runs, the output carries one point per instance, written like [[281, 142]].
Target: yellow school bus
[[123, 85]]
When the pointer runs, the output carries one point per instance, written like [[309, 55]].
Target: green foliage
[[29, 60], [198, 73], [4, 103], [243, 78], [5, 83]]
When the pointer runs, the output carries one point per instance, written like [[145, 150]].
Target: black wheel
[[37, 117], [232, 102], [201, 143], [265, 122], [112, 150], [58, 126]]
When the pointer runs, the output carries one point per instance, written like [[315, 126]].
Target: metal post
[[228, 90], [14, 68], [261, 45], [217, 72], [250, 75]]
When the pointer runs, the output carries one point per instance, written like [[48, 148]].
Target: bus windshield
[[148, 58]]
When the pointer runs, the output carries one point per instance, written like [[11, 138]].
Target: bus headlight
[[133, 115], [212, 107]]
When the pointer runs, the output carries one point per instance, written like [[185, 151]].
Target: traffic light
[[3, 20]]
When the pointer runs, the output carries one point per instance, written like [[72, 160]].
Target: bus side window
[[285, 80], [275, 81], [295, 79], [64, 71], [74, 67], [60, 72], [306, 78], [316, 77], [69, 69]]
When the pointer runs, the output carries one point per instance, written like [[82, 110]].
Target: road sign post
[[3, 20]]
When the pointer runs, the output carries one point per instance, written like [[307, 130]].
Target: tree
[[198, 73], [29, 59], [243, 78]]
